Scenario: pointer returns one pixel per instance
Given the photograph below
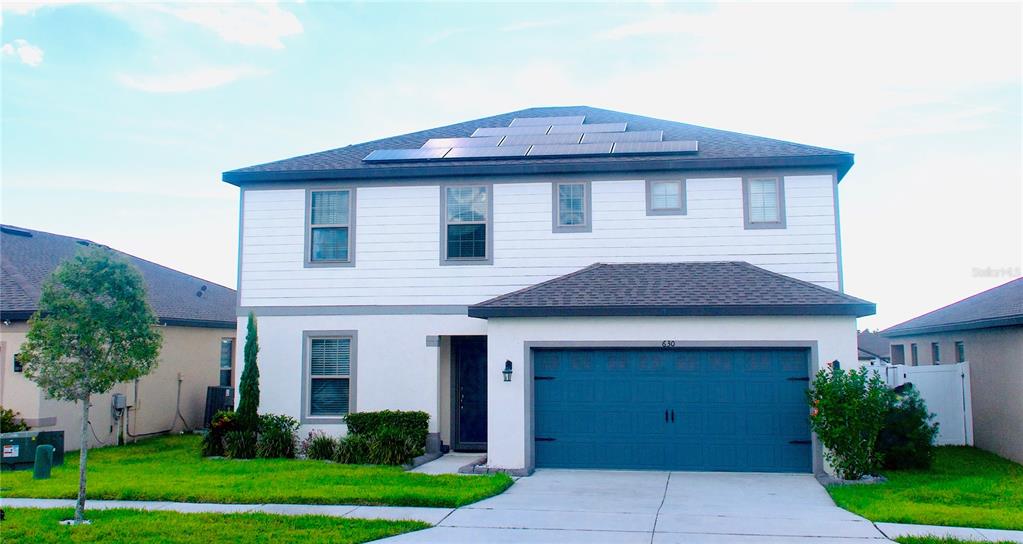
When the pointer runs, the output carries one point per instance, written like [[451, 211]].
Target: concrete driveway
[[569, 506]]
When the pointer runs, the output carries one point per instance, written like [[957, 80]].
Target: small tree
[[847, 413], [93, 329], [248, 388]]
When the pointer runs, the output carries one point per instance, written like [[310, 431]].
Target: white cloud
[[31, 55], [529, 25], [259, 24], [195, 80]]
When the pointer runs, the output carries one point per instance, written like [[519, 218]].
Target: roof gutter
[[857, 310], [841, 162]]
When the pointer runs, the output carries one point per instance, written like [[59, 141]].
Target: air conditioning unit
[[218, 398], [19, 449]]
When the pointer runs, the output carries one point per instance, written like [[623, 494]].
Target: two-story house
[[558, 287]]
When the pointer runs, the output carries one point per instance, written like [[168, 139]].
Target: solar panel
[[406, 154], [486, 152], [681, 146], [547, 121], [462, 142], [596, 127], [638, 136], [510, 131], [547, 139], [569, 149]]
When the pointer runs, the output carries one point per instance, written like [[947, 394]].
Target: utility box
[[218, 398], [19, 449]]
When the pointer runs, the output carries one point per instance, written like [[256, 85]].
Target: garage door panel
[[735, 409]]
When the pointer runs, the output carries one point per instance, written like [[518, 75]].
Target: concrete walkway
[[895, 530], [448, 463]]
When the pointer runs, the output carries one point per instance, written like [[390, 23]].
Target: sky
[[118, 118]]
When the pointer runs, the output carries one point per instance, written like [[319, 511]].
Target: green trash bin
[[44, 462]]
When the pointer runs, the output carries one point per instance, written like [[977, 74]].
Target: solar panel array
[[541, 137]]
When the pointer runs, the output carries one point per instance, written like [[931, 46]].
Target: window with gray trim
[[330, 214], [764, 202], [914, 355], [571, 206], [665, 197], [466, 222], [329, 379]]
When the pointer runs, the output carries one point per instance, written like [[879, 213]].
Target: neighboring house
[[873, 348], [457, 271], [985, 330], [196, 318]]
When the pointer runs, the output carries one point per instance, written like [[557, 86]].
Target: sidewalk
[[432, 516], [435, 516]]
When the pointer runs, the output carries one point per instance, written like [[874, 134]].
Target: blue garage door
[[672, 409]]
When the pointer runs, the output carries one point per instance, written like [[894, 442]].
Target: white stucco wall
[[509, 418], [394, 370]]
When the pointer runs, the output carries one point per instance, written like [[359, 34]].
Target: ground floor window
[[329, 375], [960, 352], [226, 362]]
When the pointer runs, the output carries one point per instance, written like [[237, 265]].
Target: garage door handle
[[665, 416], [544, 439], [799, 441], [673, 415], [799, 379]]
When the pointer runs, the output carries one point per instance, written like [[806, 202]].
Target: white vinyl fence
[[946, 390]]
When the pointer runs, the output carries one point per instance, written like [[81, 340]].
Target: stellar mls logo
[[997, 272]]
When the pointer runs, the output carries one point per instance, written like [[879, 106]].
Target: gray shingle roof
[[997, 307], [872, 344], [717, 149], [27, 257], [654, 289]]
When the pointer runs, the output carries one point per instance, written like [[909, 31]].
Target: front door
[[469, 393]]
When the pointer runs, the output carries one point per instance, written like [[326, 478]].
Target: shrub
[[390, 446], [320, 446], [240, 445], [9, 421], [907, 438], [414, 425], [222, 423], [848, 412], [276, 436], [353, 450]]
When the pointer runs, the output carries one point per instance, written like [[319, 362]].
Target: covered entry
[[713, 409]]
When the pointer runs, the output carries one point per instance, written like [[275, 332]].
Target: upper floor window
[[572, 207], [960, 352], [467, 211], [329, 370], [764, 200], [935, 352], [665, 197], [329, 237]]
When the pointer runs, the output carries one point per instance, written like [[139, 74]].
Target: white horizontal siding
[[398, 241]]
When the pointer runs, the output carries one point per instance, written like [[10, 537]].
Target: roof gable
[[28, 257], [717, 149]]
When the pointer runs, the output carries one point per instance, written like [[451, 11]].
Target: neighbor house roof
[[659, 289], [717, 149], [872, 345], [997, 307], [27, 257]]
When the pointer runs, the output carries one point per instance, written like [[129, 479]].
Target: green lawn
[[937, 540], [169, 468], [135, 526], [966, 487]]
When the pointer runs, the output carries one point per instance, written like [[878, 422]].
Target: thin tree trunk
[[82, 453]]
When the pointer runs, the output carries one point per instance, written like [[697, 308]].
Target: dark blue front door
[[672, 409], [469, 393]]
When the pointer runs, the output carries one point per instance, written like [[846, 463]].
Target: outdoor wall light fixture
[[507, 371]]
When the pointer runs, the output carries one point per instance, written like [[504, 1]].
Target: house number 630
[[668, 344]]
